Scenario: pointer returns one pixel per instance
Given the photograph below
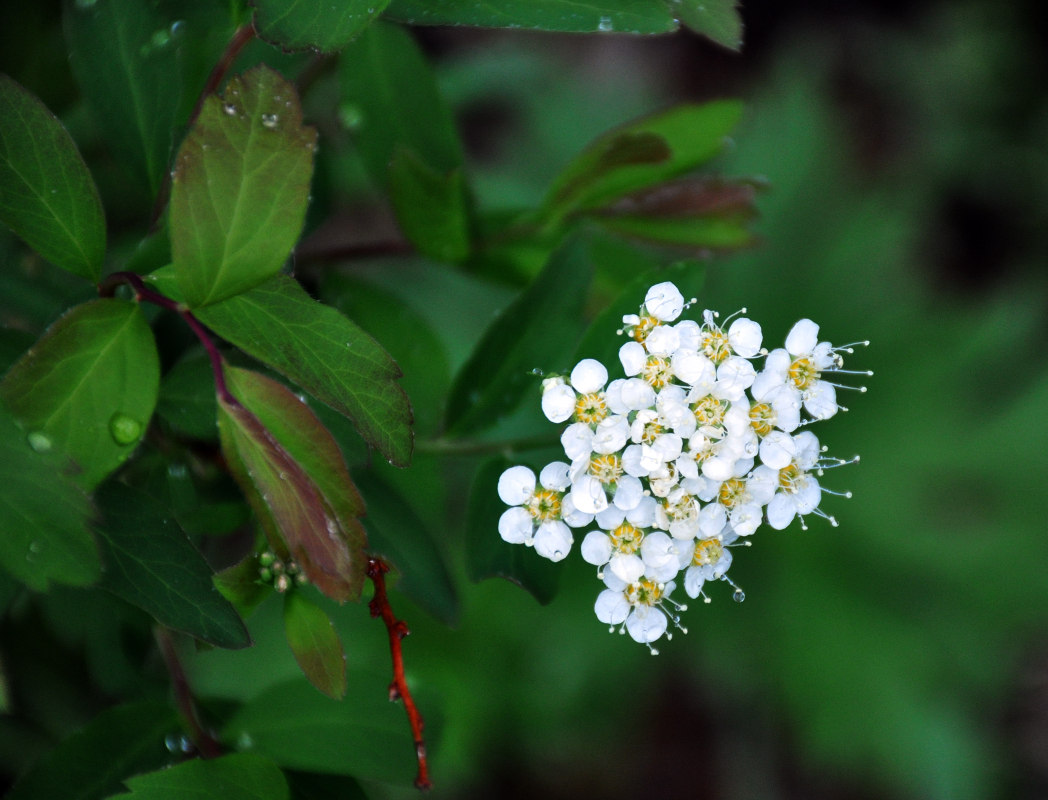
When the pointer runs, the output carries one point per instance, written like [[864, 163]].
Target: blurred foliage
[[903, 176]]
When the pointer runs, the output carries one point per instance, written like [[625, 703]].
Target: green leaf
[[92, 763], [718, 20], [405, 540], [488, 555], [538, 330], [87, 389], [43, 516], [124, 57], [316, 645], [365, 735], [430, 207], [641, 155], [389, 88], [240, 188], [47, 196], [187, 397], [313, 24], [320, 532], [578, 16], [151, 564], [323, 352], [241, 776]]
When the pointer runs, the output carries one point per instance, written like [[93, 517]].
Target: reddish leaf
[[287, 474]]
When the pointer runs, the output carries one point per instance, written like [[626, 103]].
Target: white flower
[[537, 516], [664, 302], [799, 492], [710, 559], [640, 606], [583, 398]]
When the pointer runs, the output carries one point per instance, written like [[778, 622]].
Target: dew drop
[[125, 430], [738, 595], [350, 116], [40, 441], [245, 741], [270, 121], [177, 471], [230, 109], [178, 27], [605, 24]]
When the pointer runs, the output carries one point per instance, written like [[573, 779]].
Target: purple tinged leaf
[[294, 478]]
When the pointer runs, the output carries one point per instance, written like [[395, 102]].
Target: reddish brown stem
[[107, 288], [398, 689], [241, 36], [206, 744]]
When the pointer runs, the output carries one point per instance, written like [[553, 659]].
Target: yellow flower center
[[714, 344], [544, 505], [606, 468], [709, 411], [683, 509], [707, 551], [651, 431], [646, 325], [789, 477], [731, 491], [626, 538], [657, 372], [762, 418], [591, 408], [803, 373], [644, 592]]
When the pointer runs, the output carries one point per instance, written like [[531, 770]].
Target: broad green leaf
[[388, 86], [630, 158], [430, 207], [578, 16], [365, 735], [151, 564], [47, 195], [316, 645], [296, 515], [407, 542], [241, 776], [718, 20], [488, 555], [240, 585], [408, 336], [537, 331], [323, 352], [93, 762], [88, 388], [240, 188], [43, 516], [124, 57], [314, 24]]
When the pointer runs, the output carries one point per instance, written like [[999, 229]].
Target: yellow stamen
[[803, 373], [762, 419], [789, 477], [707, 551], [606, 468], [626, 538], [646, 325], [731, 491], [714, 345], [591, 408], [643, 593], [709, 411], [544, 505], [657, 372]]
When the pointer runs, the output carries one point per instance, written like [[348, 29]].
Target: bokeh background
[[901, 655]]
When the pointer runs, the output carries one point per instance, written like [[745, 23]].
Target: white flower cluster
[[694, 448]]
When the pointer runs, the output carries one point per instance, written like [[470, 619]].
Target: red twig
[[398, 689]]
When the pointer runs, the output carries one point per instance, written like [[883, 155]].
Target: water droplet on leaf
[[738, 595], [230, 109], [39, 441], [605, 24], [124, 429], [270, 121], [350, 116]]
